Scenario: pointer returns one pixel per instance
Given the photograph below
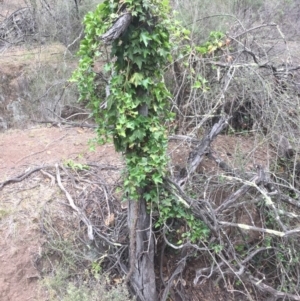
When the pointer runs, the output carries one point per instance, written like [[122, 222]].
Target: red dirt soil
[[20, 149], [19, 231]]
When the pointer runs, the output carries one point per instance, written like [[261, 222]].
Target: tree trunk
[[141, 273]]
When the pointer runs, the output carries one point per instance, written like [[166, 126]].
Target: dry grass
[[33, 56], [47, 240]]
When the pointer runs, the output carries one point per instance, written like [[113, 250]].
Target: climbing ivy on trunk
[[134, 111], [138, 105]]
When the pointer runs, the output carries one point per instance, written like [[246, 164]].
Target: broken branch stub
[[196, 156], [118, 28]]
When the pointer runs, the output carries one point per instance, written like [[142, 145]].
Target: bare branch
[[80, 213], [118, 28], [23, 176], [201, 150]]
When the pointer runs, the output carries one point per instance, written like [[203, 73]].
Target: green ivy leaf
[[145, 37], [197, 85], [146, 82], [136, 79], [139, 61]]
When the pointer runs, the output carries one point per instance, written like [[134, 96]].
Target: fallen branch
[[207, 272], [73, 124], [258, 179], [73, 206], [201, 208], [196, 156], [179, 269], [275, 293], [183, 138], [22, 176], [47, 174]]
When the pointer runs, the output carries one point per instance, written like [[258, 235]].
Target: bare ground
[[21, 203]]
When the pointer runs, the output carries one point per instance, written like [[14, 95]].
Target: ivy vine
[[138, 107], [138, 59]]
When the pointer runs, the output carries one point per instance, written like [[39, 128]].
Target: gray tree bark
[[141, 273]]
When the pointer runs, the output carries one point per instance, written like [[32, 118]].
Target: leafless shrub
[[17, 27], [40, 21], [58, 21], [38, 27], [251, 82], [49, 91]]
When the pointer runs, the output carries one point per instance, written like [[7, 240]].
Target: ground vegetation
[[223, 217]]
